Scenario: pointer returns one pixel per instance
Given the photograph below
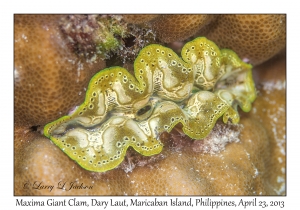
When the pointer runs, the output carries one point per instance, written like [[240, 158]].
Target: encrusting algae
[[247, 158]]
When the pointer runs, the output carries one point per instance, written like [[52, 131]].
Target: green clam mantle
[[121, 110]]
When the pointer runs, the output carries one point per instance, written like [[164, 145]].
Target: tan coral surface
[[139, 18], [256, 38], [170, 28], [49, 78], [270, 110]]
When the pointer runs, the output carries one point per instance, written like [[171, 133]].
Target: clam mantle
[[121, 110]]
